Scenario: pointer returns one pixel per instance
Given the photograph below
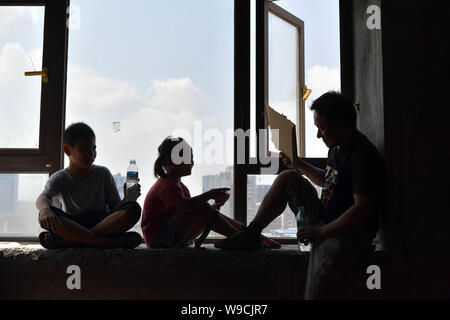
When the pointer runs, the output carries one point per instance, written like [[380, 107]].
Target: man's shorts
[[301, 193], [329, 257], [91, 219]]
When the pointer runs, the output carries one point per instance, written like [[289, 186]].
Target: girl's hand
[[222, 201], [220, 195]]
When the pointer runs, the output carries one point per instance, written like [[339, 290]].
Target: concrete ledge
[[31, 272]]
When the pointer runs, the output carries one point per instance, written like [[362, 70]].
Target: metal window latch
[[305, 92], [43, 73]]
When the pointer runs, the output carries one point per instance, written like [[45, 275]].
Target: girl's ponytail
[[164, 150], [158, 169]]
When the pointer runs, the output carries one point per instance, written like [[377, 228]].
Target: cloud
[[174, 94], [16, 19], [319, 79], [88, 92], [19, 96], [146, 119]]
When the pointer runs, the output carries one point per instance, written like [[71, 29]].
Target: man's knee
[[287, 177]]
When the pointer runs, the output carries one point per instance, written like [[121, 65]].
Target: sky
[[158, 68]]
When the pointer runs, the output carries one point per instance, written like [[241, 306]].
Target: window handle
[[43, 73], [306, 92]]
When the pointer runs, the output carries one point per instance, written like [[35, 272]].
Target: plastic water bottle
[[132, 174], [301, 223]]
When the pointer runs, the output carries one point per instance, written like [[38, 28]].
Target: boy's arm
[[47, 219], [133, 194]]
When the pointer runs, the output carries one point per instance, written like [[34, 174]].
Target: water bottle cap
[[132, 161]]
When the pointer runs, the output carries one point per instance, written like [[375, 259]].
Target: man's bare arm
[[316, 175], [355, 216]]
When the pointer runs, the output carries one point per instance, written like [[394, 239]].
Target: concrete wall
[[401, 79], [415, 84], [368, 74]]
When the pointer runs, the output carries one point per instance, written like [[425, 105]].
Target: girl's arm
[[216, 194]]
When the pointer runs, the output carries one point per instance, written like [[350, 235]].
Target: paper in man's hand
[[283, 133]]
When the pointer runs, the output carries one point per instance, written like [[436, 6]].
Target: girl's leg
[[190, 222], [236, 224]]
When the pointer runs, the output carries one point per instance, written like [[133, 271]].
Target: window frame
[[242, 96], [46, 158], [55, 50]]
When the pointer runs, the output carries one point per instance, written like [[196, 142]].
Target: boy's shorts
[[166, 238], [91, 219]]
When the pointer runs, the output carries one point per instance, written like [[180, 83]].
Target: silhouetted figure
[[344, 221], [171, 218], [94, 215]]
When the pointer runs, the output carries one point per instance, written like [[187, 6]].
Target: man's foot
[[49, 240], [244, 239]]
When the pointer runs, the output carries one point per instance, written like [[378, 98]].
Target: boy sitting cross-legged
[[94, 215]]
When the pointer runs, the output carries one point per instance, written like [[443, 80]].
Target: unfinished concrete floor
[[28, 271]]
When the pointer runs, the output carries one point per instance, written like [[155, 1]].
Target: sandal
[[131, 240], [49, 240]]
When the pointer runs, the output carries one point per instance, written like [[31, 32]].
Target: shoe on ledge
[[244, 239]]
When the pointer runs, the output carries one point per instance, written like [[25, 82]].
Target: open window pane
[[322, 58], [165, 69], [18, 213], [21, 43], [283, 69]]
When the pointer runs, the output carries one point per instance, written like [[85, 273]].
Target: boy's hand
[[132, 193], [48, 220]]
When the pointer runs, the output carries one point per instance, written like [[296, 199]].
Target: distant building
[[223, 179], [120, 180]]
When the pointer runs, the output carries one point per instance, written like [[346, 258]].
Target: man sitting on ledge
[[94, 215], [344, 222]]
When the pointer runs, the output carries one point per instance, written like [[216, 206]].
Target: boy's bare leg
[[73, 233], [116, 223]]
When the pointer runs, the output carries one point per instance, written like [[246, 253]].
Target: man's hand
[[48, 220], [288, 162], [311, 234], [132, 193]]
